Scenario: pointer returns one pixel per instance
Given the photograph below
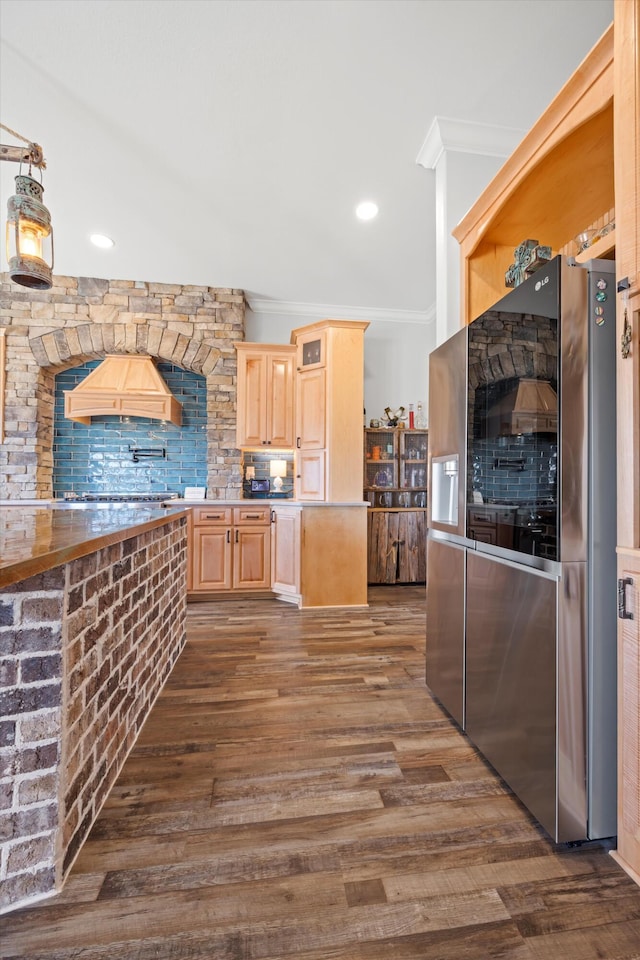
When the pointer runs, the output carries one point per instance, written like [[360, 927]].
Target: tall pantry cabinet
[[329, 404], [306, 397], [627, 187], [578, 168]]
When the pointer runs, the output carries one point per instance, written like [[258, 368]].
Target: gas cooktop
[[156, 497]]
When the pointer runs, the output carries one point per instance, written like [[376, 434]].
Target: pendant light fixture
[[29, 240]]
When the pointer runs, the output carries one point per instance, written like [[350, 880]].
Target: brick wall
[[30, 731], [88, 686], [81, 319]]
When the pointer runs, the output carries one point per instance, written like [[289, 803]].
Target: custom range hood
[[126, 385], [532, 407]]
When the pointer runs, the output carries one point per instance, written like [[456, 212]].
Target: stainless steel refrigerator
[[525, 546]]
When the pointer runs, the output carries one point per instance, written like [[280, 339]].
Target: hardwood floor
[[297, 793]]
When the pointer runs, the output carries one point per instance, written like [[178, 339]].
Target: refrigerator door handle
[[623, 613]]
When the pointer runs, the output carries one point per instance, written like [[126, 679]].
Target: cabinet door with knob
[[395, 478], [395, 467], [311, 401], [396, 546], [285, 550], [252, 547], [211, 554], [265, 395], [231, 549], [628, 852]]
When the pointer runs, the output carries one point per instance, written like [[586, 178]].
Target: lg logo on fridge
[[540, 284]]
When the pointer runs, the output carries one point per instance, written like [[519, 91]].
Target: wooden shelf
[[601, 249], [558, 179]]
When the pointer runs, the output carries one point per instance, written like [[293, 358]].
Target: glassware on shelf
[[585, 239], [421, 420]]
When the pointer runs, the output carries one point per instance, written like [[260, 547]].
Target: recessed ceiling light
[[367, 210], [99, 240]]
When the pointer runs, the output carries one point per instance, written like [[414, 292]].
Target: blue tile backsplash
[[519, 469], [98, 457]]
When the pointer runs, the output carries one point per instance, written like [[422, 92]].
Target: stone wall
[[81, 319], [86, 649]]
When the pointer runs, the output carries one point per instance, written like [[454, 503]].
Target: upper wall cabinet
[[266, 390], [558, 183]]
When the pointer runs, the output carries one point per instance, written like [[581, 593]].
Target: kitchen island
[[92, 620]]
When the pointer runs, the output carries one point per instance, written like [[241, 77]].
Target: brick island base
[[85, 650]]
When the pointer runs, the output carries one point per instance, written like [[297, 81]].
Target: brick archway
[[90, 341], [82, 319]]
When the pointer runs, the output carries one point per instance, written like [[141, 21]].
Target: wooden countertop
[[37, 538]]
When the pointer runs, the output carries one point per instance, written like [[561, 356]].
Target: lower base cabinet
[[312, 555], [396, 546], [628, 850], [230, 549], [319, 554], [285, 551]]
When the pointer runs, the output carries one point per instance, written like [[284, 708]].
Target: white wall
[[396, 365]]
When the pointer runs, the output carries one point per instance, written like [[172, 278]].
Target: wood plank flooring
[[297, 793]]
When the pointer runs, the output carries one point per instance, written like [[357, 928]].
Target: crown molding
[[319, 311], [465, 136]]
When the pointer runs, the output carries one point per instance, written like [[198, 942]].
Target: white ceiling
[[227, 142]]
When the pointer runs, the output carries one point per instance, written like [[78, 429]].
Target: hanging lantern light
[[29, 235]]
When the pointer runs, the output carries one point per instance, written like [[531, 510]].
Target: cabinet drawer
[[482, 516], [251, 514], [207, 515]]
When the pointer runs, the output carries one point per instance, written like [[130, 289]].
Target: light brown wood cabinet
[[628, 851], [319, 554], [627, 189], [329, 403], [285, 551], [312, 398], [230, 549], [266, 392], [558, 182], [311, 432]]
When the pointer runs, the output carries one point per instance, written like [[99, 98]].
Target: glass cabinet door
[[395, 468], [381, 465], [413, 465]]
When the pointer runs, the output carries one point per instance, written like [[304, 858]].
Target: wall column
[[465, 157]]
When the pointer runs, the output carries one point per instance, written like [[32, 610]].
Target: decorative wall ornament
[[626, 338], [394, 417], [29, 231], [529, 257]]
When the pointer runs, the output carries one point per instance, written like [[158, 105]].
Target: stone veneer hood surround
[[81, 319]]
